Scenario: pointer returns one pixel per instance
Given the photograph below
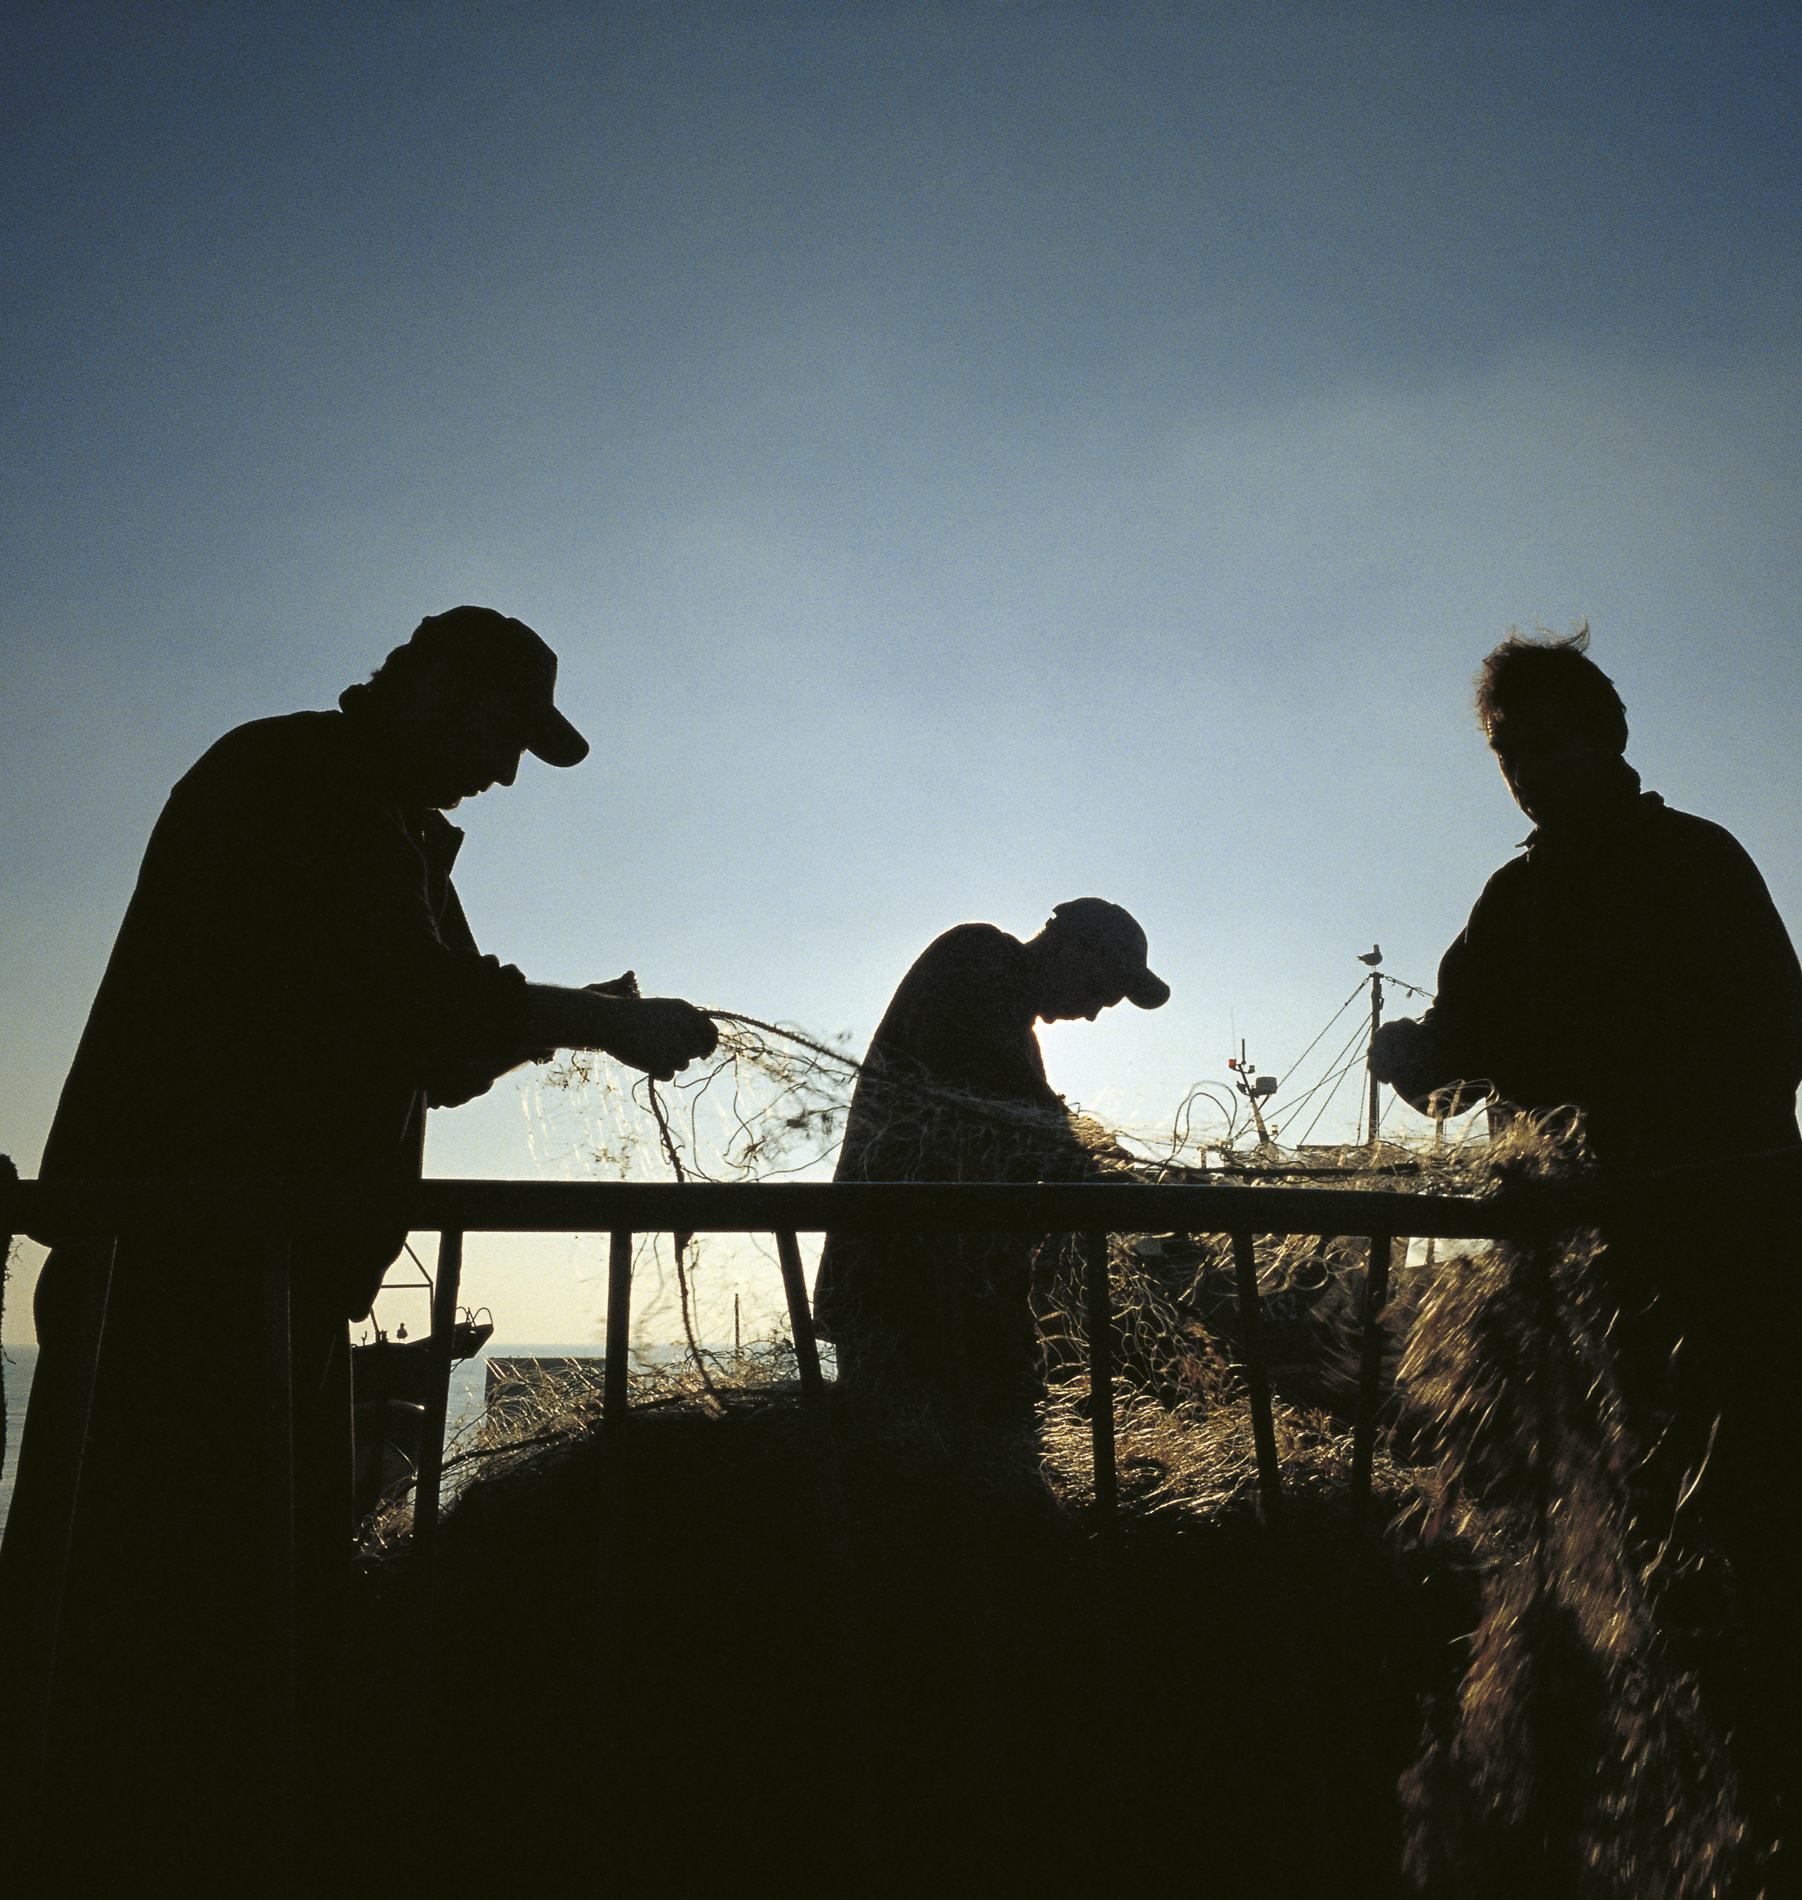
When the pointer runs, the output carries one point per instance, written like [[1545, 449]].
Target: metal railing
[[268, 1217], [278, 1211]]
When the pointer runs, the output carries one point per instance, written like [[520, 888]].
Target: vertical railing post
[[40, 1529], [831, 1476], [9, 1177], [608, 1470], [1257, 1378], [800, 1319], [807, 1362], [1101, 1378], [619, 1327], [281, 1605], [1370, 1374], [429, 1479]]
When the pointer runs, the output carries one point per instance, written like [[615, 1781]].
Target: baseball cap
[[507, 656], [1114, 933]]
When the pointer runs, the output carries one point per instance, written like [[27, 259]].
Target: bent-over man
[[954, 1089]]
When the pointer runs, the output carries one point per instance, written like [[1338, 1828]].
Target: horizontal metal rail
[[50, 1211]]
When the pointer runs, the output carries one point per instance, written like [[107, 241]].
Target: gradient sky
[[966, 457]]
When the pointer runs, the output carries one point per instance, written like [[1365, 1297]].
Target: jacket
[[1638, 970], [953, 1089], [294, 980]]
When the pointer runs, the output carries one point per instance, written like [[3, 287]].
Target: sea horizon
[[467, 1398]]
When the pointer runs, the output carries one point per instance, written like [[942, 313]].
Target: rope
[[901, 1084], [1315, 1044], [925, 1091], [680, 1241], [1291, 1106], [1338, 1082], [997, 1108], [792, 1035], [1413, 989]]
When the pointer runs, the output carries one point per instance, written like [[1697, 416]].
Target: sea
[[467, 1398]]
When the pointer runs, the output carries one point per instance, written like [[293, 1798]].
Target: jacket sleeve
[[1735, 984], [975, 1024], [311, 899], [378, 949], [455, 1078], [1452, 1064]]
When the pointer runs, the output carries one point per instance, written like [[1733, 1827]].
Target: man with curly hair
[[1574, 985], [1574, 981]]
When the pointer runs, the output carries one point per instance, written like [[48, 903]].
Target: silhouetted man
[[293, 983], [1628, 946], [1581, 974], [954, 1089]]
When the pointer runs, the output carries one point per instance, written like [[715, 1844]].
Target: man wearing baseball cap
[[954, 1089], [294, 983]]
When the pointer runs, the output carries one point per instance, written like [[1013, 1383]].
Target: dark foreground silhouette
[[296, 940], [702, 1694]]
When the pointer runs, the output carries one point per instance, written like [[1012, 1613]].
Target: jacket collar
[[438, 838], [1605, 829]]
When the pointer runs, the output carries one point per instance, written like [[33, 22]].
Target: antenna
[[1257, 1089]]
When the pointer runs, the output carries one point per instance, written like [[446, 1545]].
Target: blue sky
[[966, 457]]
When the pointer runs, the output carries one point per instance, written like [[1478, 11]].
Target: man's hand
[[1406, 1054], [660, 1034], [1399, 1050]]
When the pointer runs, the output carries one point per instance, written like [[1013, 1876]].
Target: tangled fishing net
[[1580, 1756], [774, 1103], [1584, 1751]]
